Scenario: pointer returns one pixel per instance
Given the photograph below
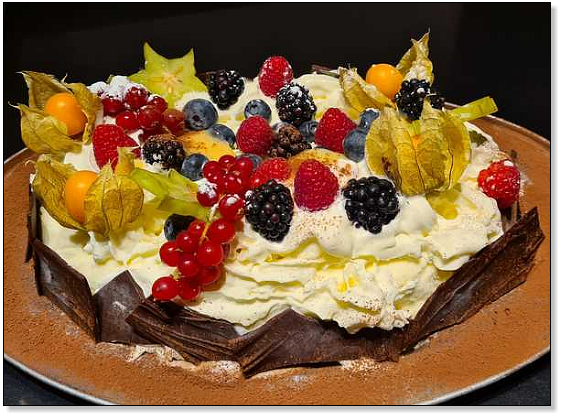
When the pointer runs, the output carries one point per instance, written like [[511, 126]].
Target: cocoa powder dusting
[[500, 337]]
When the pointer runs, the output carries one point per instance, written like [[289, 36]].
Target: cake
[[272, 222]]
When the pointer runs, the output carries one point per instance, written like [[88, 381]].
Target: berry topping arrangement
[[204, 167]]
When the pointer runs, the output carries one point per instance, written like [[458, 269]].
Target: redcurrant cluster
[[227, 182], [197, 253], [139, 110]]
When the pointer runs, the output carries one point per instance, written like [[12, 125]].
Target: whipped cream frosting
[[324, 267]]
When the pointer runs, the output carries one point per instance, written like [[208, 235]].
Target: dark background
[[501, 50]]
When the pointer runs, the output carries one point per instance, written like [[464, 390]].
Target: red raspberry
[[315, 186], [254, 135], [332, 129], [106, 140], [273, 168], [501, 181], [274, 74]]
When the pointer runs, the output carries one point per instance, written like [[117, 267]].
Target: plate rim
[[434, 401]]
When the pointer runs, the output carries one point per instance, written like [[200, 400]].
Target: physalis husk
[[43, 133], [432, 159]]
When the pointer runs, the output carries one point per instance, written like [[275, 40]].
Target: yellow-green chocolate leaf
[[112, 202], [49, 186], [176, 193]]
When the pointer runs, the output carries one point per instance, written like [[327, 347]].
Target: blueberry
[[307, 129], [254, 158], [258, 107], [192, 166], [354, 144], [366, 118], [224, 133], [176, 223], [199, 114]]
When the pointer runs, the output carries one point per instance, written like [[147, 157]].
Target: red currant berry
[[112, 106], [165, 288], [226, 161], [233, 184], [218, 179], [196, 229], [221, 231], [172, 118], [211, 168], [257, 180], [232, 207], [189, 289], [210, 253], [159, 103], [244, 165], [209, 275], [135, 97], [149, 117], [127, 120], [188, 265], [207, 195], [186, 242], [169, 253]]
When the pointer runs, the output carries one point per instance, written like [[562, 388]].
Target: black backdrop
[[503, 50]]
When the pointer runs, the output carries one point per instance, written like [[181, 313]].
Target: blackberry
[[370, 203], [287, 141], [269, 209], [411, 95], [225, 87], [295, 105], [168, 153]]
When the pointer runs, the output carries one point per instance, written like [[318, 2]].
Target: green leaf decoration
[[42, 86], [415, 63]]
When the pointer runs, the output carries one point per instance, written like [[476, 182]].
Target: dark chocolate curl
[[114, 302], [66, 288]]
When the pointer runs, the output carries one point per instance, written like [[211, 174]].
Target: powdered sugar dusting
[[207, 188]]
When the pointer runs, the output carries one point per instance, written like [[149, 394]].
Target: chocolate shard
[[196, 337], [494, 271], [291, 339], [33, 226], [66, 288], [114, 302]]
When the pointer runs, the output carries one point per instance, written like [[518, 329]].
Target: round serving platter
[[499, 340]]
